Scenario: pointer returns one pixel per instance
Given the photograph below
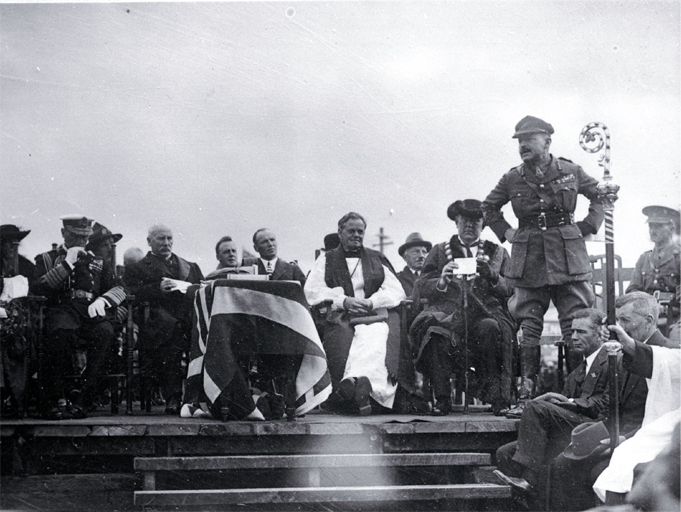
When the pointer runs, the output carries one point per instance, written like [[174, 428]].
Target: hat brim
[[94, 241], [598, 450], [409, 245], [17, 235], [528, 132]]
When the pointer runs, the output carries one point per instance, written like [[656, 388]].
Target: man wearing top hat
[[413, 251], [439, 330], [549, 261], [658, 270], [81, 290]]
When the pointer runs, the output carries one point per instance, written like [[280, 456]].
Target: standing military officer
[[658, 270], [80, 289], [549, 261]]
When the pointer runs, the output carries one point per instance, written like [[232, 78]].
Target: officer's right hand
[[72, 254]]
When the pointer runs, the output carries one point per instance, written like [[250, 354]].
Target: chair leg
[[113, 391]]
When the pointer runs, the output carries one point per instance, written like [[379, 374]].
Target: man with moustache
[[549, 261], [162, 278], [439, 330], [414, 251]]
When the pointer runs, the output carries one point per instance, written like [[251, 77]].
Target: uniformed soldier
[[81, 291], [657, 271], [549, 261]]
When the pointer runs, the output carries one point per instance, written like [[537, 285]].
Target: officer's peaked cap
[[530, 124], [77, 224], [662, 215]]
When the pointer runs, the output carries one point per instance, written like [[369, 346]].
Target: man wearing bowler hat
[[413, 251], [657, 271], [439, 330], [549, 261], [81, 291]]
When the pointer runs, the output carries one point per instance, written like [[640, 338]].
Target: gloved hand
[[72, 255], [97, 308], [487, 272]]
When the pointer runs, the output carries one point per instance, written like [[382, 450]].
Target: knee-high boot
[[529, 369]]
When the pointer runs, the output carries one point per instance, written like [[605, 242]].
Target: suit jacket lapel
[[279, 270], [183, 268], [156, 266], [595, 371]]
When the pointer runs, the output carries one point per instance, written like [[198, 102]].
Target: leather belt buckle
[[541, 221]]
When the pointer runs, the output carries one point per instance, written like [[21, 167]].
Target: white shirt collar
[[273, 262], [591, 359]]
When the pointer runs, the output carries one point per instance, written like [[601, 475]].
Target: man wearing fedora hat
[[81, 290], [657, 271], [439, 329], [549, 261], [413, 251]]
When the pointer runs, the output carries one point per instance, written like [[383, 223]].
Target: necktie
[[269, 267], [468, 252]]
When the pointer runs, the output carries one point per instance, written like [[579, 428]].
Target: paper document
[[467, 266]]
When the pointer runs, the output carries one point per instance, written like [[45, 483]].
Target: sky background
[[222, 118]]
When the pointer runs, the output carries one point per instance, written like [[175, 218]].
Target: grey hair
[[644, 304], [156, 228]]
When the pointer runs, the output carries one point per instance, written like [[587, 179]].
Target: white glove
[[72, 255], [97, 308]]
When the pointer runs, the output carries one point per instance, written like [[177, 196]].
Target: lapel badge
[[593, 375]]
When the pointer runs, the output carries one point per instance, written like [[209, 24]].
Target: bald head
[[132, 255]]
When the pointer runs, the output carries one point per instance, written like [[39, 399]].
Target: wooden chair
[[622, 275]]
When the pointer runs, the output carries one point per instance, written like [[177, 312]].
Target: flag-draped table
[[276, 314]]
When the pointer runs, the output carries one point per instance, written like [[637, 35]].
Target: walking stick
[[599, 134]]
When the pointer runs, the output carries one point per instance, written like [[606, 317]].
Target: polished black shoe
[[442, 407], [346, 389], [53, 413], [363, 396], [519, 484], [514, 413], [74, 412]]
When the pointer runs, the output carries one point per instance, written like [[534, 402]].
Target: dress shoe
[[363, 396], [514, 413], [442, 407], [500, 409], [52, 413], [194, 411], [173, 406], [519, 484], [346, 389]]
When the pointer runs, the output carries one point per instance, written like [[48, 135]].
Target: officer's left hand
[[487, 272], [97, 308]]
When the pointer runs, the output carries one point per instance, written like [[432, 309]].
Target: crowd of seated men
[[362, 325]]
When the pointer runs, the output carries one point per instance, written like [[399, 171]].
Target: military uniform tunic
[[549, 261], [657, 270]]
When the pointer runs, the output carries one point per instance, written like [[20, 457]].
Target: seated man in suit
[[265, 243], [361, 338], [226, 254], [81, 291], [439, 330], [162, 278], [572, 476], [547, 421], [414, 251]]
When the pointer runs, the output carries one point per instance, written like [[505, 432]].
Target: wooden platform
[[73, 464]]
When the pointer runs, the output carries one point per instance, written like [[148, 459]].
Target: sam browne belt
[[544, 221]]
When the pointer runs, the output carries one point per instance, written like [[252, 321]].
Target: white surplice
[[368, 349]]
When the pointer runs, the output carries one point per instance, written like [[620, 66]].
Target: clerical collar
[[356, 253]]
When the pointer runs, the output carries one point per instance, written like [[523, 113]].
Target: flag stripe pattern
[[279, 312]]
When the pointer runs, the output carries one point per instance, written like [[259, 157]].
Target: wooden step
[[309, 461], [321, 495]]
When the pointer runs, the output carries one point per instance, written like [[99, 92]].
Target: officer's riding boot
[[529, 368]]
